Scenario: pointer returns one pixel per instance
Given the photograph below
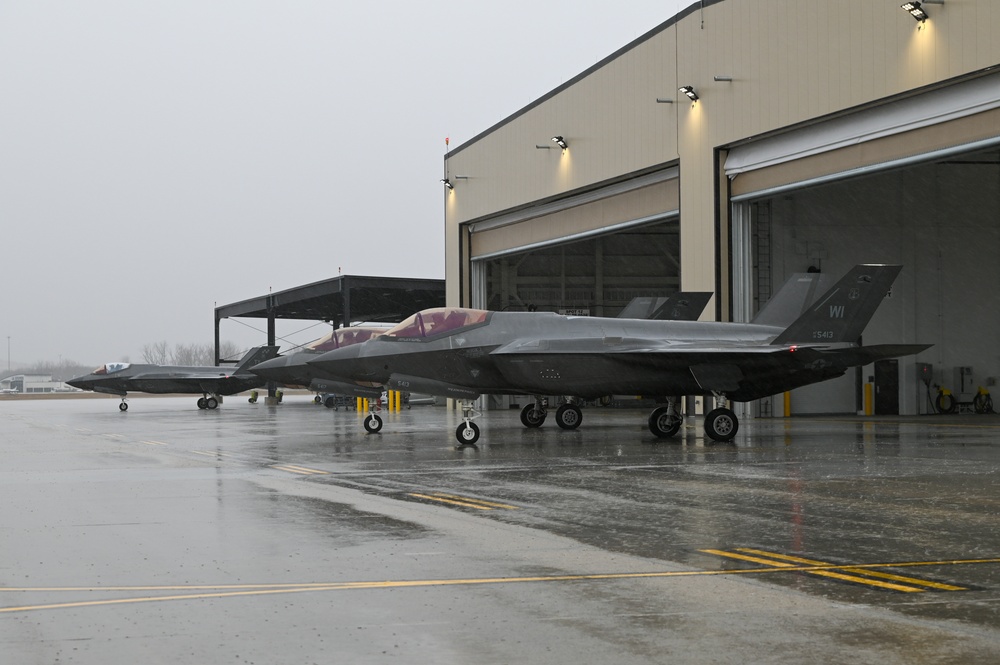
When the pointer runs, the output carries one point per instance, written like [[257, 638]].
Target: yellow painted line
[[822, 573], [940, 586], [305, 469], [264, 589], [301, 470], [451, 501], [153, 443], [473, 500]]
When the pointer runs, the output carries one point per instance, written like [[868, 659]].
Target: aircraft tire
[[331, 402], [211, 403], [373, 424], [202, 403], [569, 416], [467, 435], [123, 407], [663, 425], [532, 417], [317, 400], [721, 425]]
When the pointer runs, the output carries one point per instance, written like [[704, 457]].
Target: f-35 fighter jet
[[211, 382], [463, 353]]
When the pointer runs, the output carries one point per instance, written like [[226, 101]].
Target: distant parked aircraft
[[211, 381]]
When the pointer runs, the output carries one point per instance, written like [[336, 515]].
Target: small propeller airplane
[[464, 353], [211, 382]]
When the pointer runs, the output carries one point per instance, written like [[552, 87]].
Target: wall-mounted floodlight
[[719, 77], [447, 183], [461, 177], [915, 10], [689, 91], [560, 141]]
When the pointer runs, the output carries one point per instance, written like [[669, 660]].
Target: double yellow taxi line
[[855, 575], [464, 501], [301, 470]]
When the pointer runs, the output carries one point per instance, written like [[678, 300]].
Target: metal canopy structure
[[341, 300]]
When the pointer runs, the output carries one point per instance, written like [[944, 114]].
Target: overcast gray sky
[[158, 158]]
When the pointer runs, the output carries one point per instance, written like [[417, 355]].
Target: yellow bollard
[[869, 399], [788, 404]]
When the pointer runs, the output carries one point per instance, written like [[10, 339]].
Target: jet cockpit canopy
[[437, 321], [343, 337], [111, 368]]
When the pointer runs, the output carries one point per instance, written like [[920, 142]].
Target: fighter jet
[[211, 382], [292, 369], [463, 353]]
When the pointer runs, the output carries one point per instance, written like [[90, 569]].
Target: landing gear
[[569, 416], [373, 422], [468, 432], [533, 415], [123, 407], [207, 402], [664, 421], [721, 423]]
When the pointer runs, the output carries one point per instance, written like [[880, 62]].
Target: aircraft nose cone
[[80, 382], [270, 368], [344, 362]]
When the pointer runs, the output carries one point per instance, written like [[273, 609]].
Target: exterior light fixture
[[664, 100], [447, 183], [915, 10], [560, 141], [543, 147], [719, 77], [689, 91]]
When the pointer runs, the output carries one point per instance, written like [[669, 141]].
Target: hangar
[[743, 141]]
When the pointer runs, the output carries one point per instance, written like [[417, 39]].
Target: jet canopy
[[437, 321], [111, 368], [343, 337]]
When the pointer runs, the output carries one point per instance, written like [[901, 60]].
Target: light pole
[[8, 353]]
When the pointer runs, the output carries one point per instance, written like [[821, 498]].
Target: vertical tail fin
[[255, 356], [842, 313]]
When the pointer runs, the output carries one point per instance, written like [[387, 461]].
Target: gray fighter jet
[[292, 369], [211, 382], [463, 353]]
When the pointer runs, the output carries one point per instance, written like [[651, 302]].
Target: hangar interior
[[941, 220]]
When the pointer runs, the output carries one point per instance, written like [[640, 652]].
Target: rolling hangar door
[[588, 255], [915, 182]]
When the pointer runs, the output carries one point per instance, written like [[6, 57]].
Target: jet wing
[[591, 367]]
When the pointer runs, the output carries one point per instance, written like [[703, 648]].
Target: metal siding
[[791, 62]]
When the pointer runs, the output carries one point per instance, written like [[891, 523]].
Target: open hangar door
[[940, 218], [586, 255]]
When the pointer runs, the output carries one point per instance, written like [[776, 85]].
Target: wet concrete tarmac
[[287, 534]]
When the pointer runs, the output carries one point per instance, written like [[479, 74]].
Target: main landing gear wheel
[[123, 407], [467, 434], [531, 416], [373, 424], [663, 423], [211, 403], [569, 416], [721, 424], [331, 402], [202, 403]]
